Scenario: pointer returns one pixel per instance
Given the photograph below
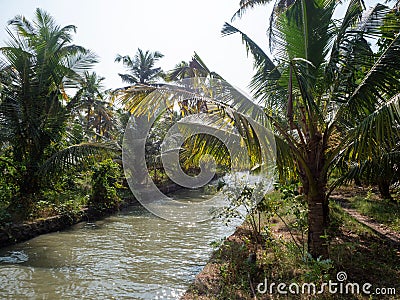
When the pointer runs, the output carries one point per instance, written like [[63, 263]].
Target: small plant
[[43, 209], [318, 269], [242, 205], [291, 209], [370, 193], [217, 243]]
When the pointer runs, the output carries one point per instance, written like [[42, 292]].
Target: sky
[[176, 28]]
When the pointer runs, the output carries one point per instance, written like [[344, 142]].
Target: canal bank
[[208, 282], [12, 233]]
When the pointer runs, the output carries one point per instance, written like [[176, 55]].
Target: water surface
[[131, 255]]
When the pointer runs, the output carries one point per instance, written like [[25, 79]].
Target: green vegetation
[[57, 121], [382, 210], [242, 262], [40, 139], [105, 179], [330, 89], [323, 109]]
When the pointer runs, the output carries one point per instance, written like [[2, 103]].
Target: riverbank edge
[[15, 233], [208, 279]]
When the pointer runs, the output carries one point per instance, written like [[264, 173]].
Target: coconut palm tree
[[92, 103], [383, 171], [89, 94], [38, 64], [141, 67], [328, 92], [142, 78]]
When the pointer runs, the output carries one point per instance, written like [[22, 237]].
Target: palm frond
[[379, 80], [377, 133], [266, 71], [245, 5], [84, 153]]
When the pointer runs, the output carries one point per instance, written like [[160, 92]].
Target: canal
[[130, 255]]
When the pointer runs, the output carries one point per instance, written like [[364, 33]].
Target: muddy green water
[[131, 255]]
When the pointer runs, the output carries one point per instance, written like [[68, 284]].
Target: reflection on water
[[131, 255], [14, 257]]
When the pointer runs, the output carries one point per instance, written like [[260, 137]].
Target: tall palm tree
[[142, 78], [327, 92], [38, 64], [141, 67], [89, 93], [91, 99]]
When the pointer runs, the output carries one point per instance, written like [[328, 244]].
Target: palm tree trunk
[[384, 188], [318, 221], [89, 108], [29, 187], [155, 170], [314, 182]]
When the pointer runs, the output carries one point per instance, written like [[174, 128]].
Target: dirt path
[[380, 229]]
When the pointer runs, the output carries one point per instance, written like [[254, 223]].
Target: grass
[[233, 273], [362, 254], [383, 211]]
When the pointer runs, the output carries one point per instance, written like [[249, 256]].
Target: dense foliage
[[40, 137], [105, 181], [329, 87]]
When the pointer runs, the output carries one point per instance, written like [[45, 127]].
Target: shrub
[[105, 181]]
